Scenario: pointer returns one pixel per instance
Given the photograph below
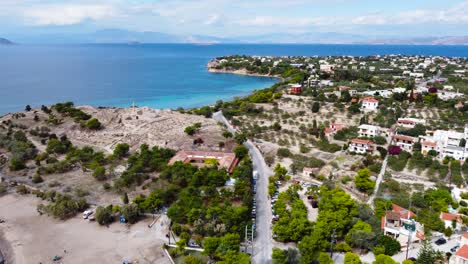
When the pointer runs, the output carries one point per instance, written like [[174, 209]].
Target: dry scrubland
[[164, 128]]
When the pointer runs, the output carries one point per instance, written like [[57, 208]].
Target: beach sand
[[30, 238]]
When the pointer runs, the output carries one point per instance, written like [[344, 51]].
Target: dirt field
[[26, 237]]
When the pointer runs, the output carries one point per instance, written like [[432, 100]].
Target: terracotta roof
[[449, 217], [369, 99], [328, 130], [390, 215], [405, 121], [465, 235], [429, 144], [404, 213], [401, 137], [463, 252], [362, 141], [225, 160]]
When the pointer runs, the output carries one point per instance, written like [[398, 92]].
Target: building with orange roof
[[361, 146], [332, 129], [400, 225], [449, 219], [410, 122], [404, 142], [369, 103], [461, 256], [226, 161]]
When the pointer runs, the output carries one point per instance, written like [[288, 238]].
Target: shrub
[[121, 150], [100, 173], [104, 215], [394, 150], [93, 124], [130, 213], [17, 164], [283, 152], [37, 178], [22, 189]]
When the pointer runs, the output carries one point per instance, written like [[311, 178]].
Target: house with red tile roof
[[404, 142], [449, 219], [461, 256], [400, 225], [332, 129], [361, 146], [369, 103], [226, 161]]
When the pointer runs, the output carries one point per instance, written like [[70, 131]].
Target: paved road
[[263, 245], [370, 202]]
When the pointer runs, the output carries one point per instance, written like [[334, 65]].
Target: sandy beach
[[28, 238]]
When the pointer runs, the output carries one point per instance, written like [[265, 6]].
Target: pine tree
[[125, 198]]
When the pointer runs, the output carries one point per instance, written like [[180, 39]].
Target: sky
[[233, 18]]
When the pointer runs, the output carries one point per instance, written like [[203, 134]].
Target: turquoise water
[[156, 75]]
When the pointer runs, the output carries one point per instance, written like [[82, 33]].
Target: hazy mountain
[[302, 38], [4, 41], [450, 40], [126, 36]]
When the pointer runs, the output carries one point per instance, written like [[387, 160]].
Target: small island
[[6, 42]]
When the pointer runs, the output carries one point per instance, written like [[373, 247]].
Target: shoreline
[[244, 72]]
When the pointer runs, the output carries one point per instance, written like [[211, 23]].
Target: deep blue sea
[[156, 75]]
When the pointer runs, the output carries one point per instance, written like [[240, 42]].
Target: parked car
[[454, 249], [87, 213], [440, 241]]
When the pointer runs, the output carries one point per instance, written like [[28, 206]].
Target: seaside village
[[344, 158]]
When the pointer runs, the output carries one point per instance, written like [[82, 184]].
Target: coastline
[[243, 72]]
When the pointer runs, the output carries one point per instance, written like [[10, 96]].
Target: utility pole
[[333, 240]]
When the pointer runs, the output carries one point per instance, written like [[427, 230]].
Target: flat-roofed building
[[226, 161]]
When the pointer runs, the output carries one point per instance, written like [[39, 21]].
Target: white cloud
[[67, 14]]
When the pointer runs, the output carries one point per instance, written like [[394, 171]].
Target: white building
[[404, 142], [448, 220], [361, 146], [461, 256], [446, 143], [372, 131], [369, 104], [410, 122]]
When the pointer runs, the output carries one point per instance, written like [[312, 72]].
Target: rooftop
[[227, 161]]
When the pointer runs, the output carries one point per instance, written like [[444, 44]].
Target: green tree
[[390, 245], [125, 198], [241, 151], [104, 215], [27, 108], [315, 107], [324, 258], [240, 138], [192, 260], [351, 258], [384, 259], [279, 256], [210, 244], [130, 213], [227, 134], [363, 182], [427, 254], [121, 150]]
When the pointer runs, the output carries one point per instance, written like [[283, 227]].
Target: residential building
[[226, 161], [369, 104], [404, 142], [361, 146], [461, 256], [372, 131], [295, 89], [410, 122], [449, 219], [446, 143], [332, 129], [398, 223]]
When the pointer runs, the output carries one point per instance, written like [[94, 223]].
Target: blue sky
[[231, 18]]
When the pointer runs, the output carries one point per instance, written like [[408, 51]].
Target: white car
[[87, 213]]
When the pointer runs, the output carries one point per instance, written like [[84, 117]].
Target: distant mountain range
[[133, 37], [4, 41]]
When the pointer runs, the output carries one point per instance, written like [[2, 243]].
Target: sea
[[156, 75]]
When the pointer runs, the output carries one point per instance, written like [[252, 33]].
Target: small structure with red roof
[[450, 219], [332, 129], [295, 89]]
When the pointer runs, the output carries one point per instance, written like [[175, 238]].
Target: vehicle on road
[[440, 241]]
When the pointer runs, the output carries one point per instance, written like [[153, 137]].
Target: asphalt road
[[263, 246]]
